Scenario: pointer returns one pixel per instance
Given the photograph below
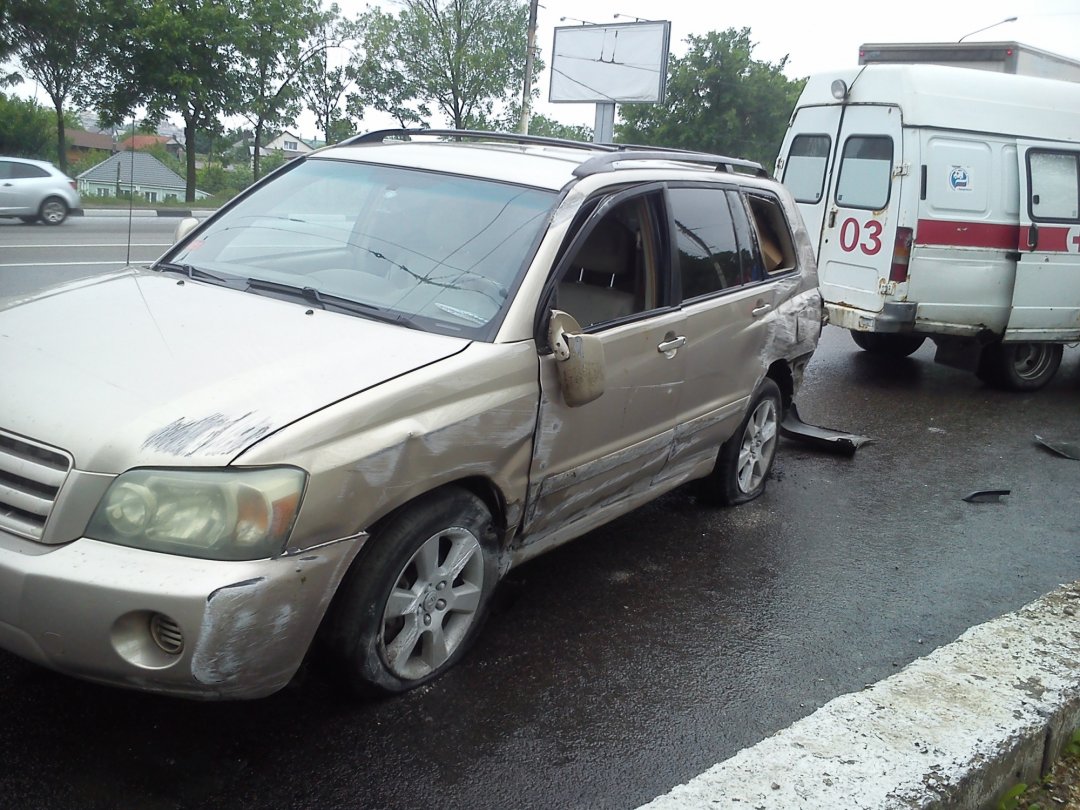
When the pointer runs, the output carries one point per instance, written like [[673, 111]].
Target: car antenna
[[131, 190]]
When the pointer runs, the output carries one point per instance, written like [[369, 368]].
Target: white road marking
[[92, 245], [68, 264]]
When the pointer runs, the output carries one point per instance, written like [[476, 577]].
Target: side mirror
[[579, 359], [184, 227]]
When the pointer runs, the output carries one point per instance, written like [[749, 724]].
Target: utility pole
[[526, 93]]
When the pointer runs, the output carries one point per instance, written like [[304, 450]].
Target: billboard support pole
[[604, 129]]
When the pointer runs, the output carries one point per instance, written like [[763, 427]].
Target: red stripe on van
[[967, 234]]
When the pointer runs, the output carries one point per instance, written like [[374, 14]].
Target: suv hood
[[141, 368]]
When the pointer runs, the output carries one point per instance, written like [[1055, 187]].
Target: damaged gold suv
[[342, 407]]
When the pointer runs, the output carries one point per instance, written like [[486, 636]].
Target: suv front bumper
[[222, 629]]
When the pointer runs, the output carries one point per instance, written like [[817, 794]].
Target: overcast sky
[[814, 35]]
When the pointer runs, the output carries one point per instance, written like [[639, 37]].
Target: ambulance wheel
[[1019, 366], [883, 345]]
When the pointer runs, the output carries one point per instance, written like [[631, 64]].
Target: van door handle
[[832, 218], [671, 344], [1033, 236], [760, 309]]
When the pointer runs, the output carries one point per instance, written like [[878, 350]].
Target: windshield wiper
[[326, 301], [192, 272]]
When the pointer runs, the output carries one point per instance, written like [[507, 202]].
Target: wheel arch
[[780, 373]]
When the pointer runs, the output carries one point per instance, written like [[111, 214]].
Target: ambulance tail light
[[901, 255]]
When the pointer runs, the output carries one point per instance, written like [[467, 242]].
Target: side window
[[708, 252], [804, 171], [1053, 185], [773, 234], [24, 170], [613, 274], [865, 172], [5, 169]]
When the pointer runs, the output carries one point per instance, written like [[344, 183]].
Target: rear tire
[[1019, 366], [416, 597], [53, 211], [746, 459], [887, 345]]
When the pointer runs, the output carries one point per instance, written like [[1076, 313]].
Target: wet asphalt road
[[635, 657]]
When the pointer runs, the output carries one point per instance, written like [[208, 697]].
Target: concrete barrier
[[955, 729]]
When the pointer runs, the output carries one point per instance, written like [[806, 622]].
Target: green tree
[[323, 88], [465, 57], [550, 128], [54, 41], [26, 129], [174, 57], [719, 99], [275, 46]]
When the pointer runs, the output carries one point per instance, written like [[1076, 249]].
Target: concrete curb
[[955, 729]]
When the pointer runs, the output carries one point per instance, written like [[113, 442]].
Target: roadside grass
[[1059, 789]]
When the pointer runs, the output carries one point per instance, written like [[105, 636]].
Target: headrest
[[606, 249]]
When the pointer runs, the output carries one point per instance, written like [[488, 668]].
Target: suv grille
[[30, 478]]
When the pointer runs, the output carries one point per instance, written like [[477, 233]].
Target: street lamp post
[[980, 30]]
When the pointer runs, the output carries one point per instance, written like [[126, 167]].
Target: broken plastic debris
[[1067, 449], [834, 441], [987, 495]]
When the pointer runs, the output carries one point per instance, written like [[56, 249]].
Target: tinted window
[[24, 170], [865, 172], [804, 171], [5, 169], [708, 252], [1053, 185]]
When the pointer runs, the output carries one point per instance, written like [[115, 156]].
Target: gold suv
[[347, 403]]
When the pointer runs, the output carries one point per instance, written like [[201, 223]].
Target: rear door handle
[[760, 309], [671, 344]]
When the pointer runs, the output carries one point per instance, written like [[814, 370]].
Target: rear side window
[[865, 172], [804, 171], [709, 257], [24, 170], [1054, 185]]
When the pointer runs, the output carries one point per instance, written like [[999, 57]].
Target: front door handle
[[760, 309], [671, 344]]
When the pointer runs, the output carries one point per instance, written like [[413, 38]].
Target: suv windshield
[[438, 251]]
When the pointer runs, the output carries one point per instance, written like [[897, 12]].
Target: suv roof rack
[[604, 162], [380, 135]]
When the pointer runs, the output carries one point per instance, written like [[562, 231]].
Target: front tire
[[53, 211], [883, 344], [746, 459], [1019, 366], [415, 599]]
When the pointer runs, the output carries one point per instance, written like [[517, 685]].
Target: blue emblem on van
[[958, 178]]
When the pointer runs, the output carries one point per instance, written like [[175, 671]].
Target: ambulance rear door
[[860, 224], [1046, 295], [807, 158]]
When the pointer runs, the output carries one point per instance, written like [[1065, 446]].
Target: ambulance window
[[804, 172], [708, 252], [865, 172], [1053, 185]]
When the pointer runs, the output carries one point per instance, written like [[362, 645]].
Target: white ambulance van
[[944, 203]]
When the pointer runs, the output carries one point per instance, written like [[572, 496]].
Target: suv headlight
[[228, 514]]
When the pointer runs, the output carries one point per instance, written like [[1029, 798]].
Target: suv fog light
[[166, 634]]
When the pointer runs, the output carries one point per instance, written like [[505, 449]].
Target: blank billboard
[[622, 62]]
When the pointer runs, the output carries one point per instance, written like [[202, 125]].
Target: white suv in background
[[344, 406], [35, 190]]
